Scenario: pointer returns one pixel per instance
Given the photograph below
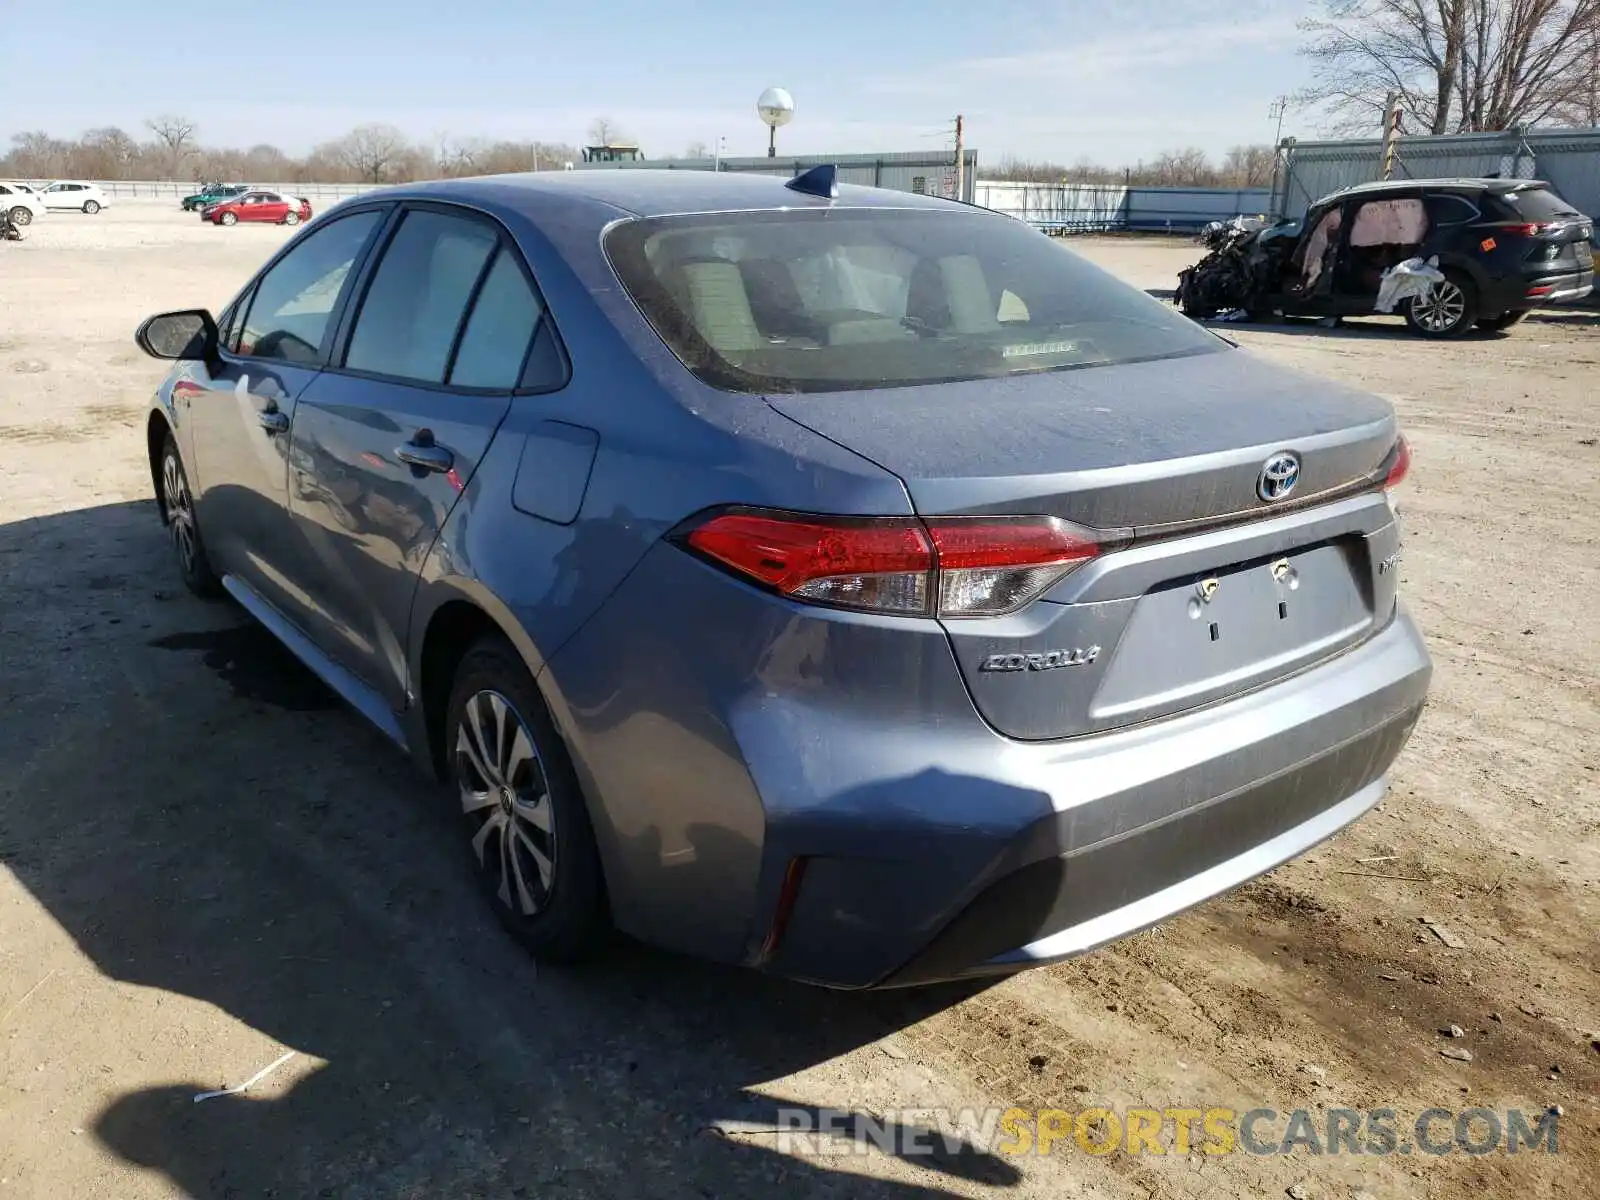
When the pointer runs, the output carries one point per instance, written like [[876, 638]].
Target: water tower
[[776, 107]]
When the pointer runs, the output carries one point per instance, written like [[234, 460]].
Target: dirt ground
[[207, 862]]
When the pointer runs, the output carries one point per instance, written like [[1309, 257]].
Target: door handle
[[273, 421], [423, 452]]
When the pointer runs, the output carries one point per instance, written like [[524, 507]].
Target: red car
[[259, 206]]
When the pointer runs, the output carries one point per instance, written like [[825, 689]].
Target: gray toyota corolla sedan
[[852, 584]]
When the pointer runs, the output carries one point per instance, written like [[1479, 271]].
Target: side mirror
[[189, 336]]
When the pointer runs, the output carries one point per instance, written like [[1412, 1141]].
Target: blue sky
[[1109, 80]]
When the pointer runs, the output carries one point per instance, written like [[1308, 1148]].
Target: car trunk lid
[[1166, 460]]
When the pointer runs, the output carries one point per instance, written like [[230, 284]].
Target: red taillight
[[1401, 465], [991, 565], [949, 566], [1528, 230], [872, 564]]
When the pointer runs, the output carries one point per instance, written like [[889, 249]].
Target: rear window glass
[[847, 299], [1538, 204]]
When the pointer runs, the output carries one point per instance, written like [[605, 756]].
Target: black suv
[[1505, 246]]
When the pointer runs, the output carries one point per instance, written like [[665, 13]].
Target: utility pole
[[961, 154], [1279, 107], [1391, 134]]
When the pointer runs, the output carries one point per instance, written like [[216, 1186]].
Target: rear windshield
[[847, 299], [1538, 204]]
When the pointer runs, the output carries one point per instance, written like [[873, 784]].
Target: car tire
[[21, 216], [1503, 322], [91, 207], [526, 822], [1447, 311], [228, 218], [292, 219], [177, 511]]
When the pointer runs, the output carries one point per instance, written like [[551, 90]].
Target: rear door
[[1382, 231], [272, 208], [389, 437]]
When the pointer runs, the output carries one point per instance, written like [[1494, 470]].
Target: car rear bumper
[[1570, 287], [812, 792], [1532, 291], [1142, 824]]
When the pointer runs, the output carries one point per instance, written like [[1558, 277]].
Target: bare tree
[[106, 153], [1247, 166], [37, 155], [1456, 65], [1177, 168], [266, 163], [1022, 170], [603, 131], [458, 156], [697, 149], [370, 152], [175, 136], [1582, 104]]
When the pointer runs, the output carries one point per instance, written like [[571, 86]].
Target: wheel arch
[[156, 431], [454, 618], [449, 616]]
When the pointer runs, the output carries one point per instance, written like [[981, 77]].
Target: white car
[[80, 197], [20, 202]]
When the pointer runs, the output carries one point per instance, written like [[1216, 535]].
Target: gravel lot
[[206, 862]]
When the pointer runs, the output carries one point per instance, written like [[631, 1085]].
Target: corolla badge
[[1077, 656], [1278, 476]]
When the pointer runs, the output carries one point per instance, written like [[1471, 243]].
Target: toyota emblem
[[1278, 476]]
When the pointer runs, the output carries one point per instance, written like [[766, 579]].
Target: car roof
[[645, 192], [1462, 184]]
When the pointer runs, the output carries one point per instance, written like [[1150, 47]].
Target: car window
[[1400, 222], [1446, 209], [418, 296], [496, 338], [228, 324], [4, 190], [1538, 204], [850, 299], [296, 297]]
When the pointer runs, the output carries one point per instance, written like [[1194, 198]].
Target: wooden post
[[1391, 134]]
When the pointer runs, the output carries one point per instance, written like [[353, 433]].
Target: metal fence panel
[[1099, 207], [1569, 159]]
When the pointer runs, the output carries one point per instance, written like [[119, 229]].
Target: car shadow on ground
[[205, 819]]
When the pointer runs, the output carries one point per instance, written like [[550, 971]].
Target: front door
[[242, 407], [386, 442]]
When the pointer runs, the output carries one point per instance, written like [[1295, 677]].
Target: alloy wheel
[[1441, 309], [180, 512], [21, 216], [505, 795]]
